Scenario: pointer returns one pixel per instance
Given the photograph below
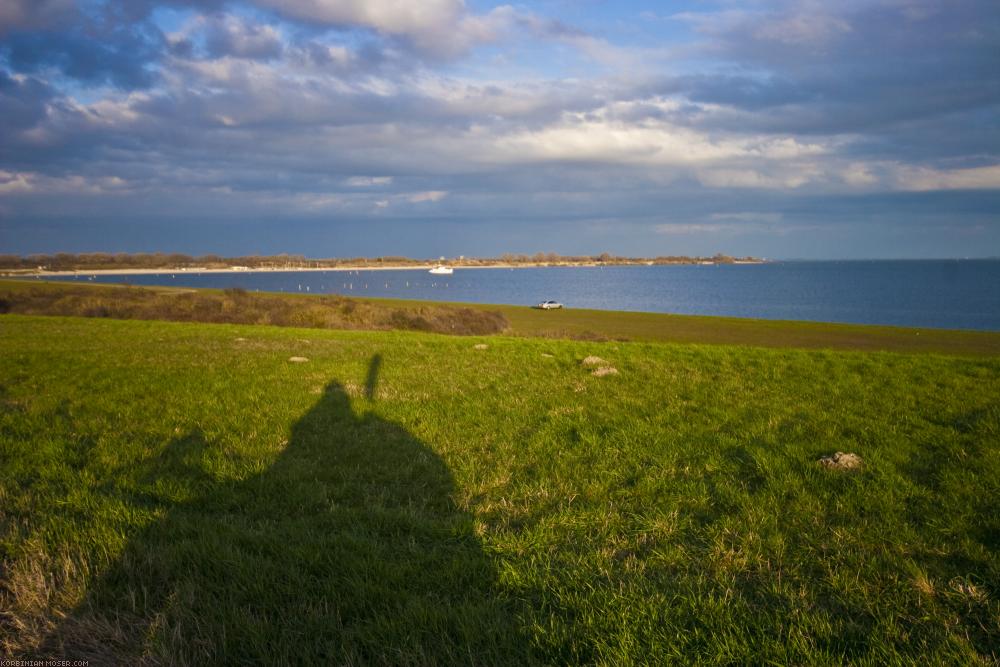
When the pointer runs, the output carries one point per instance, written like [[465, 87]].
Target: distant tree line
[[64, 261], [158, 260]]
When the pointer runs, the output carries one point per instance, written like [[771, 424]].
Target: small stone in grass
[[841, 461], [605, 370], [547, 355], [297, 360], [480, 346], [593, 361]]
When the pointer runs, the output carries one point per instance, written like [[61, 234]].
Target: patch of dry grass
[[236, 306]]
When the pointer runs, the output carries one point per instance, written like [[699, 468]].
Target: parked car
[[549, 305]]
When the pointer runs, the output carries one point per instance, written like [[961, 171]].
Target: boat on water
[[442, 270]]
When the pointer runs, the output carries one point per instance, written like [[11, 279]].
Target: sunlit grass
[[213, 305], [185, 494]]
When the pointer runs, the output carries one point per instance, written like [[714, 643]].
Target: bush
[[401, 319], [237, 306]]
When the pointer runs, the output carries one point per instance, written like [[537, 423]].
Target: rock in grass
[[298, 360], [594, 361], [605, 370], [480, 346], [841, 461]]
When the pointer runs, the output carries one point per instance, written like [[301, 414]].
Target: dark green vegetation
[[183, 493], [56, 298], [236, 306]]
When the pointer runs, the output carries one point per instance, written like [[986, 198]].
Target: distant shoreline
[[402, 267]]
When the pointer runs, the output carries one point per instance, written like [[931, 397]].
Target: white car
[[549, 305]]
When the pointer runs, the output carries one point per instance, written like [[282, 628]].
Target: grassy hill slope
[[339, 312], [184, 493]]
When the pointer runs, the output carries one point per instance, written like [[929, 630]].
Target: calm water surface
[[954, 294]]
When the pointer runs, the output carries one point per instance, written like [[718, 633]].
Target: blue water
[[952, 294]]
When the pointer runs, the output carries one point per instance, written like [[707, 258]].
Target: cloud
[[245, 108], [35, 14], [24, 101], [602, 137], [834, 68], [94, 49], [430, 195], [368, 181], [812, 30], [926, 178], [228, 35], [30, 183], [438, 28], [786, 178]]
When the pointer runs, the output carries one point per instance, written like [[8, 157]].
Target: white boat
[[442, 270]]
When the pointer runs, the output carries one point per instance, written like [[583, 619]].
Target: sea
[[947, 294]]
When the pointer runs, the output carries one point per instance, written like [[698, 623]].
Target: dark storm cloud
[[841, 102], [122, 57], [114, 42], [24, 102], [853, 67], [106, 44]]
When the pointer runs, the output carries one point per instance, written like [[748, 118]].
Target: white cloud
[[393, 16], [31, 183], [859, 175], [15, 183], [924, 178], [779, 177], [315, 201], [229, 35], [438, 27], [430, 195], [601, 136], [368, 181]]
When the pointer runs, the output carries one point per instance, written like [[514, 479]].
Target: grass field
[[184, 494], [573, 323], [580, 323]]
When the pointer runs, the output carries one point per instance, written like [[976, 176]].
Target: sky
[[337, 128]]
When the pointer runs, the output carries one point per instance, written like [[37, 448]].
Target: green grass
[[581, 323], [574, 323], [182, 493]]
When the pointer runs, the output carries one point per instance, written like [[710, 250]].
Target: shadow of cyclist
[[348, 550]]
